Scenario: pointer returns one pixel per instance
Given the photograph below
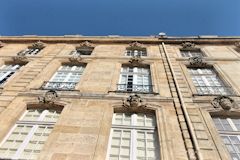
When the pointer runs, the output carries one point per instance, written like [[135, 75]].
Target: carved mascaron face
[[50, 96], [226, 103], [134, 101]]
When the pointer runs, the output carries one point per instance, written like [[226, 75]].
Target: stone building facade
[[113, 97]]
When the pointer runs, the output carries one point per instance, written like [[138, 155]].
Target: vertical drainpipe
[[184, 109]]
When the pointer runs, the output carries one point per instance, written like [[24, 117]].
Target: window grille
[[27, 137], [135, 79], [207, 82], [133, 137]]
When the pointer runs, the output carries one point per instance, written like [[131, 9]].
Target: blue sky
[[120, 17]]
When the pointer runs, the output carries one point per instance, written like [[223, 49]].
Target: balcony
[[59, 85], [135, 88]]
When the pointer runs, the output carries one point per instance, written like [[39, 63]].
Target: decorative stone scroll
[[197, 62], [134, 103], [136, 45], [37, 45], [189, 46], [135, 60], [85, 44], [20, 58], [75, 58], [49, 97], [224, 103]]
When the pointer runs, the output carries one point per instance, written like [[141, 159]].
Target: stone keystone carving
[[37, 45], [135, 60], [197, 62], [188, 46], [224, 102], [85, 44], [49, 97], [1, 44], [21, 58], [75, 58], [134, 103], [136, 45]]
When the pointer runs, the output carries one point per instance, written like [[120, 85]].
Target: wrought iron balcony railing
[[135, 88], [59, 85], [215, 90]]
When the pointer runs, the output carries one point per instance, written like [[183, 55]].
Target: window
[[135, 79], [6, 71], [136, 52], [29, 51], [229, 130], [133, 137], [29, 134], [191, 53], [207, 82], [65, 78]]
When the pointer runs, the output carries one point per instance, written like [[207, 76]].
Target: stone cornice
[[120, 39]]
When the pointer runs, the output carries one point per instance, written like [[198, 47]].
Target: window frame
[[10, 72], [134, 129], [217, 70], [235, 132], [28, 52], [151, 86], [200, 48], [35, 125], [46, 83]]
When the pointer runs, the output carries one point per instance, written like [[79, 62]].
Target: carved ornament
[[75, 58], [37, 45], [188, 46], [85, 44], [197, 62], [224, 103], [136, 45], [135, 60], [49, 97], [21, 58], [134, 103]]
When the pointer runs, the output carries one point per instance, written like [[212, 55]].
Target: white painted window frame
[[135, 75], [135, 52], [11, 71], [133, 128], [203, 76], [35, 125], [191, 53], [235, 132]]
